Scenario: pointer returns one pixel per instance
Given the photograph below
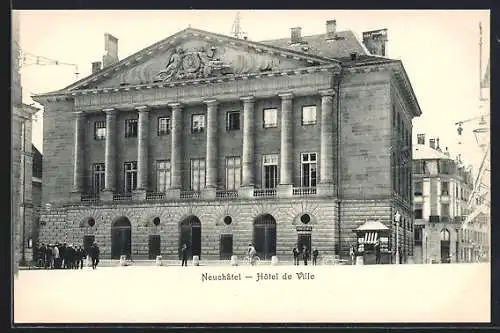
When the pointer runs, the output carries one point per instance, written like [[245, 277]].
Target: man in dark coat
[[315, 256], [184, 255], [305, 255], [295, 256], [377, 252], [94, 254]]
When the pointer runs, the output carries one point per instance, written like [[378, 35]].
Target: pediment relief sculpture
[[209, 61]]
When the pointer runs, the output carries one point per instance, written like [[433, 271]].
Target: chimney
[[96, 66], [446, 151], [437, 145], [110, 56], [420, 139], [296, 36], [432, 143], [375, 41], [331, 29]]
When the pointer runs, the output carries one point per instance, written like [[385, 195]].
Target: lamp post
[[397, 218]]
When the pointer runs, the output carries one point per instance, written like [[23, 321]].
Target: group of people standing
[[63, 256], [304, 254]]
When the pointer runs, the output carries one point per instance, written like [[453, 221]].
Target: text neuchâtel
[[256, 277]]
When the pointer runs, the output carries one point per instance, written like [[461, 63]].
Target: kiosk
[[370, 235]]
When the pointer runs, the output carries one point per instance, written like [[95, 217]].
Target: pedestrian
[[48, 256], [352, 253], [94, 254], [377, 252], [315, 256], [184, 255], [295, 256], [55, 254], [80, 257], [305, 255]]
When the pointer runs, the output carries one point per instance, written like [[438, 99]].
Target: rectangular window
[[418, 235], [233, 173], [130, 176], [100, 130], [445, 188], [308, 175], [418, 213], [197, 174], [421, 139], [270, 118], [197, 123], [164, 125], [309, 115], [233, 121], [418, 167], [419, 188], [270, 171], [130, 128], [162, 176], [445, 210], [98, 177]]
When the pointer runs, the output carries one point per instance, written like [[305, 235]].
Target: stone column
[[211, 180], [211, 155], [78, 165], [326, 178], [286, 164], [248, 141], [176, 150], [110, 153], [142, 148], [142, 153]]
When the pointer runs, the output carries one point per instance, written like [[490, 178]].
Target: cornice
[[332, 68]]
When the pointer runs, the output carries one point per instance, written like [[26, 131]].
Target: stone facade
[[442, 187], [352, 136], [21, 171]]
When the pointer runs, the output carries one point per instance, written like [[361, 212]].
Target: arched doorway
[[121, 238], [264, 236], [445, 246], [191, 236]]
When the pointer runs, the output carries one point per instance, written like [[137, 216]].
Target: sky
[[439, 50]]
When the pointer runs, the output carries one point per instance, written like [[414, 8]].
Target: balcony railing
[[152, 196], [190, 194], [226, 194], [90, 197], [304, 191], [122, 196], [268, 192]]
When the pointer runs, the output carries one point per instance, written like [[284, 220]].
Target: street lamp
[[397, 218]]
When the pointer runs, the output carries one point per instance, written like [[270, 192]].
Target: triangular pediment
[[196, 54]]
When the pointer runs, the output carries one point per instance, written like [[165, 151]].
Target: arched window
[[445, 235]]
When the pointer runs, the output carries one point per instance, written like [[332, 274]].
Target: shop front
[[373, 243]]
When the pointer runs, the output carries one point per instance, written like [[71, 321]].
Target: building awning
[[372, 226], [370, 238]]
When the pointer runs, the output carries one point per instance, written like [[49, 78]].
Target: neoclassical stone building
[[217, 142]]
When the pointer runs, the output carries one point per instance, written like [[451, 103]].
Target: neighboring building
[[20, 153], [216, 142], [441, 187], [36, 196]]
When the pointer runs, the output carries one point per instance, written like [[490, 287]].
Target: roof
[[423, 152], [149, 51], [372, 226], [340, 47]]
